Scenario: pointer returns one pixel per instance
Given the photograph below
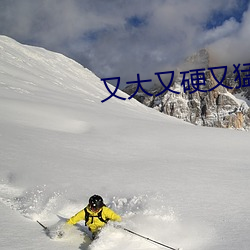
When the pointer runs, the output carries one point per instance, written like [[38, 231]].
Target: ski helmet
[[95, 202]]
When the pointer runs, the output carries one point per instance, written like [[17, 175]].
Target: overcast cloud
[[125, 37]]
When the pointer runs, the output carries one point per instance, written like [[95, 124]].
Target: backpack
[[88, 216]]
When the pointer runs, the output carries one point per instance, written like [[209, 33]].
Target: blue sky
[[218, 17], [123, 38]]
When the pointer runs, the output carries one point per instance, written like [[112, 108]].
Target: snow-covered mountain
[[221, 107], [182, 185]]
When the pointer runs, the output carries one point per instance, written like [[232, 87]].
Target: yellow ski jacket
[[94, 223]]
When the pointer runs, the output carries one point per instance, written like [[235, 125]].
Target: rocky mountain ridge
[[221, 107]]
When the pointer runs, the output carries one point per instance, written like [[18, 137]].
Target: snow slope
[[176, 183]]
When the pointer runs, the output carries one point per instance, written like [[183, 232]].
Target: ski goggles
[[94, 208]]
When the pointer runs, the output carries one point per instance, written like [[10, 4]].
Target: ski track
[[145, 214], [44, 97]]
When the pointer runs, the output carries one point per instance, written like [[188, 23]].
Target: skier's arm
[[77, 217], [110, 214]]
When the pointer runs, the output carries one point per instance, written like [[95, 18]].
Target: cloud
[[122, 38], [228, 28], [234, 47]]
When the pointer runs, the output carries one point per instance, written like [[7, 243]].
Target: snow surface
[[182, 185]]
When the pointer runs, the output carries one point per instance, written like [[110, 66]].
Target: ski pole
[[146, 238], [45, 228]]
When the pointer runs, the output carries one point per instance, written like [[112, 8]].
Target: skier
[[95, 214]]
